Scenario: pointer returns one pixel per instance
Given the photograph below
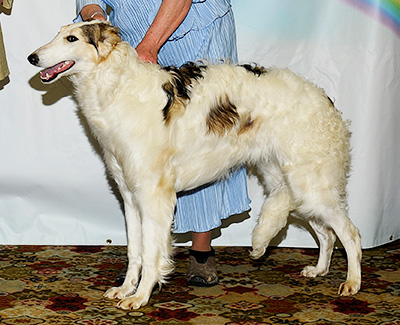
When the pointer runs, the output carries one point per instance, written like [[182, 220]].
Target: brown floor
[[65, 284]]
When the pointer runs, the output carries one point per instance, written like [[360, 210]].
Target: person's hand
[[168, 18], [147, 53], [91, 12], [98, 16]]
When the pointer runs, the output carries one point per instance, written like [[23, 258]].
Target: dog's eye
[[72, 38]]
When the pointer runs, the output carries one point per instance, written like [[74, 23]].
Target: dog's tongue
[[50, 73]]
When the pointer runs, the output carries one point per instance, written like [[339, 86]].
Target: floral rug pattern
[[65, 285]]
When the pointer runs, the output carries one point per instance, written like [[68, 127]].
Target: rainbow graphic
[[386, 11]]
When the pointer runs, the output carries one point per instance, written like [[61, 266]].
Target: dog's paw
[[312, 272], [257, 252], [119, 292], [349, 288], [132, 302]]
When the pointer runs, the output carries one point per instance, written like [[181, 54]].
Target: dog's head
[[75, 49]]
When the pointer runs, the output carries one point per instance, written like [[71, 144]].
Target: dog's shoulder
[[183, 77], [179, 85]]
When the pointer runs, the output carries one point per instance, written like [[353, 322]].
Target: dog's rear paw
[[349, 288], [257, 252], [119, 292], [312, 272], [133, 302]]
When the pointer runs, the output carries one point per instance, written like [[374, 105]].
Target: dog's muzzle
[[50, 73]]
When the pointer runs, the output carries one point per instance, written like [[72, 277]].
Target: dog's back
[[247, 116]]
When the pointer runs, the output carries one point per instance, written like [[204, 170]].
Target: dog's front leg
[[157, 215], [134, 233]]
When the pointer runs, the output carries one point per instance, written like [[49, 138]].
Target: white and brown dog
[[164, 130]]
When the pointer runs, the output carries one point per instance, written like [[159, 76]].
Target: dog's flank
[[222, 117], [164, 130]]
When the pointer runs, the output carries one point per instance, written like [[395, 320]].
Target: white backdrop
[[53, 185]]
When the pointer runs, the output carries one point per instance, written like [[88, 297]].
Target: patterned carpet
[[64, 285]]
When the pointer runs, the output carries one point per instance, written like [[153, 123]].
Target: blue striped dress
[[208, 32]]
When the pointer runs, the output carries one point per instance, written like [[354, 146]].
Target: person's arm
[[93, 11], [169, 17]]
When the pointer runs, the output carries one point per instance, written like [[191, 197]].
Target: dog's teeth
[[66, 63]]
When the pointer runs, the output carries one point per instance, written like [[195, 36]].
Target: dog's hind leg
[[325, 201], [349, 236], [326, 238], [275, 210], [157, 214], [273, 217]]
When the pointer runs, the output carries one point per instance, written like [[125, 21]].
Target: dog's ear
[[109, 37], [103, 36], [109, 34]]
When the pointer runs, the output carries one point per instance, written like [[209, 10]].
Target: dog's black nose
[[33, 59]]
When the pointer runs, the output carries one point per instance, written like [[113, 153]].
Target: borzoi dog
[[164, 130]]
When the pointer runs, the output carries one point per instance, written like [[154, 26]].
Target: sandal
[[202, 269]]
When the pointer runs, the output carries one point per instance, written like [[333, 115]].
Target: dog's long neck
[[119, 81], [98, 88]]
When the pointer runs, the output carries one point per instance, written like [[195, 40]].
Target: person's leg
[[202, 265], [202, 210], [201, 241]]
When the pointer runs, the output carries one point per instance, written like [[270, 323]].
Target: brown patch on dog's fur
[[222, 117], [159, 163], [171, 100], [256, 69], [178, 89], [246, 124]]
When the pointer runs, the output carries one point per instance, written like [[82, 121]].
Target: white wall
[[53, 185]]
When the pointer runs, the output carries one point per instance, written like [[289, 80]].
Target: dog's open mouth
[[52, 73]]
